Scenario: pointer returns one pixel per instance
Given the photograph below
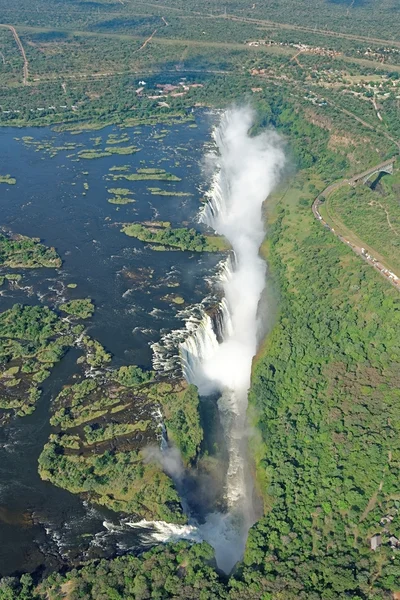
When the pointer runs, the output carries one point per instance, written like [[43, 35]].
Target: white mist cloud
[[248, 170], [169, 459]]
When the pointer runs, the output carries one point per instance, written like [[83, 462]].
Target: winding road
[[21, 49], [393, 278]]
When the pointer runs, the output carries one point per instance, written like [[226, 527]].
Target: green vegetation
[[16, 277], [91, 153], [182, 238], [96, 356], [180, 403], [147, 174], [32, 340], [49, 146], [373, 216], [181, 571], [112, 431], [8, 179], [82, 308], [18, 251], [121, 200], [114, 138], [120, 196], [118, 480], [325, 399], [155, 191], [120, 191], [121, 168], [122, 150], [132, 376], [116, 416]]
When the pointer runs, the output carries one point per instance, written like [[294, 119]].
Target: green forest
[[373, 215], [163, 236]]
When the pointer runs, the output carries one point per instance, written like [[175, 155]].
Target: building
[[376, 541]]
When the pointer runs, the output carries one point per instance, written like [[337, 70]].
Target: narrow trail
[[21, 49], [295, 58], [373, 203], [391, 277], [146, 42], [367, 125]]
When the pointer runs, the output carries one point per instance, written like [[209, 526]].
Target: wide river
[[42, 526]]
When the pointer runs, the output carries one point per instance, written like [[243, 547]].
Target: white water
[[248, 168], [216, 353]]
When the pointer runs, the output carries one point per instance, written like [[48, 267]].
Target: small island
[[164, 237], [80, 308], [20, 251], [8, 179], [156, 191], [147, 174], [91, 153], [121, 196]]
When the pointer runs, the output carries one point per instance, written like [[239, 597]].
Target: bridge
[[385, 167]]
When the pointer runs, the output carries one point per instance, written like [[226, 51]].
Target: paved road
[[389, 275]]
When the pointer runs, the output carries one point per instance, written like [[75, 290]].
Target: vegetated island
[[91, 153], [19, 251], [163, 237], [101, 426], [155, 191], [8, 179], [147, 174], [121, 196], [82, 308], [32, 340]]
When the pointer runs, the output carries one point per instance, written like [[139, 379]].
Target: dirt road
[[21, 49]]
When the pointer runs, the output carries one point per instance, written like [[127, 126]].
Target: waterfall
[[246, 170], [201, 345], [216, 347]]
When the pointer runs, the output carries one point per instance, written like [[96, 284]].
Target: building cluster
[[300, 47], [379, 54], [39, 109], [315, 100], [380, 538], [165, 90]]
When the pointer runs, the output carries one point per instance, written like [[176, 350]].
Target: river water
[[42, 526]]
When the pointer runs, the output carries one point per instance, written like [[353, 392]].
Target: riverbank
[[315, 447]]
